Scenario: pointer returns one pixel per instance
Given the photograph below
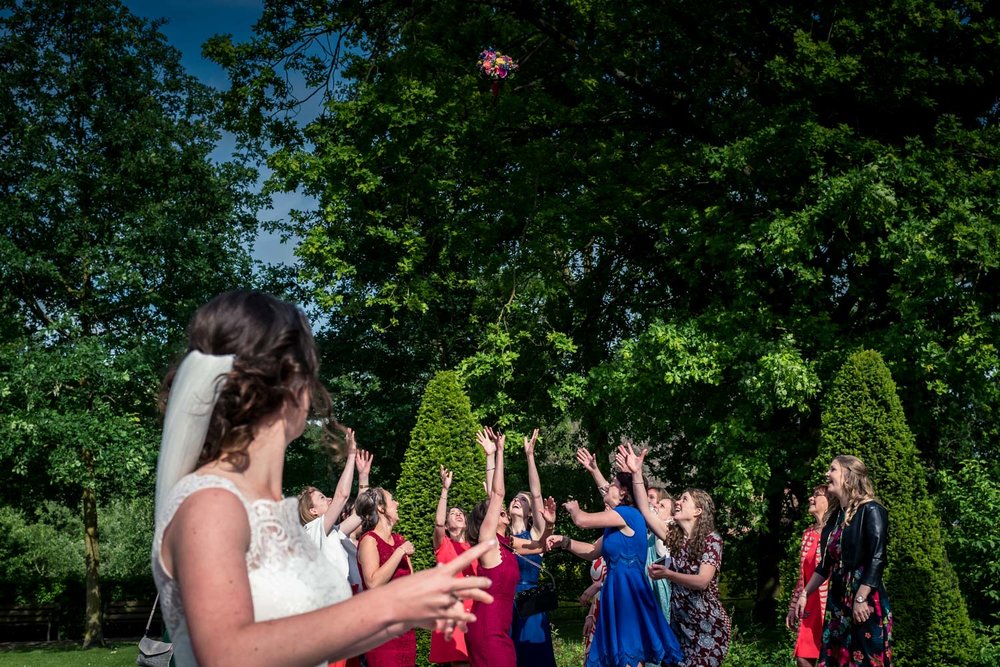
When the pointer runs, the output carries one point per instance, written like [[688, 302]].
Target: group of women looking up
[[247, 576]]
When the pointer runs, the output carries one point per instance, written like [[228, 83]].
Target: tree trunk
[[94, 626], [770, 553]]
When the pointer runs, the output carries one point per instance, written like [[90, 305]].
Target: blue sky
[[189, 24]]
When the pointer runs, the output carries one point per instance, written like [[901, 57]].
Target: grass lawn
[[68, 654]]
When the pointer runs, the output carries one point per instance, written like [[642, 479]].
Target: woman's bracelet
[[566, 541], [488, 469]]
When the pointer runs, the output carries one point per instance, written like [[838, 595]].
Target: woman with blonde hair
[[858, 626], [239, 580], [696, 614]]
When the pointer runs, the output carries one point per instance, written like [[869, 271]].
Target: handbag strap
[[151, 612], [525, 559]]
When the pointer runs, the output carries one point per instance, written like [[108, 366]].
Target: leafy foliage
[[115, 224], [968, 502], [863, 417], [673, 225], [444, 436]]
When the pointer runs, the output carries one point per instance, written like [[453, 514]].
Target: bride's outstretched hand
[[433, 598]]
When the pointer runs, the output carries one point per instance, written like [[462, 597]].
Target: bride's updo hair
[[275, 359]]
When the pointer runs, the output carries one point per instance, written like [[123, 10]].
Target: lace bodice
[[288, 574]]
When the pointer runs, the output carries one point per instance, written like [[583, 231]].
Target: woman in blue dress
[[631, 630], [532, 635]]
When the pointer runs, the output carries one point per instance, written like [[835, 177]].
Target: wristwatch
[[860, 599]]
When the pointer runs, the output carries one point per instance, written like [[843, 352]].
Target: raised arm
[[441, 515], [535, 487], [496, 505], [589, 462], [627, 459], [342, 493], [584, 550], [487, 440], [607, 518]]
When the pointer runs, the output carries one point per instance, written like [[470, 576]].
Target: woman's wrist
[[565, 542]]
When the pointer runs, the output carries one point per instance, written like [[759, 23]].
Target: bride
[[238, 578]]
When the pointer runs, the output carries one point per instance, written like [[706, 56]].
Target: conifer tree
[[444, 435], [863, 417]]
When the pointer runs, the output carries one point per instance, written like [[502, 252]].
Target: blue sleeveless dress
[[533, 635], [630, 626]]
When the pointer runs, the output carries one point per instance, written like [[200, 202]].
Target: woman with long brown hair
[[696, 614], [858, 626], [239, 580]]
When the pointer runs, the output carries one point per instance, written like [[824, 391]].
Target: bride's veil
[[192, 399]]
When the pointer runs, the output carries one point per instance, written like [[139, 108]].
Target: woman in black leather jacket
[[858, 626]]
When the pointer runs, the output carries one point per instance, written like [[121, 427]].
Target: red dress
[[488, 639], [811, 626], [455, 650], [401, 651]]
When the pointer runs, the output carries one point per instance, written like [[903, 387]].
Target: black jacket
[[862, 544]]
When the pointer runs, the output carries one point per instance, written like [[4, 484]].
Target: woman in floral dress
[[858, 625], [696, 614]]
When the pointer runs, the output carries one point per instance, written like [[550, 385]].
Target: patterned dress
[[845, 643], [697, 617], [810, 634], [401, 651]]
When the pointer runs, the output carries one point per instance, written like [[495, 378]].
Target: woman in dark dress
[[858, 626], [382, 557]]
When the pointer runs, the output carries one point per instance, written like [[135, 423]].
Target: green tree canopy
[[116, 224], [673, 223]]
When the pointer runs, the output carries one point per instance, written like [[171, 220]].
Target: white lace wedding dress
[[288, 575]]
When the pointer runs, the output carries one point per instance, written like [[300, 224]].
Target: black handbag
[[538, 599], [151, 652]]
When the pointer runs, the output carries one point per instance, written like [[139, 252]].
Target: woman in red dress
[[383, 556], [450, 541], [810, 628]]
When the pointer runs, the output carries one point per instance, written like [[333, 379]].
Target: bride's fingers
[[468, 556], [477, 594]]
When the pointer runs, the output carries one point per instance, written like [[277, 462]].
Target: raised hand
[[549, 510], [586, 459], [501, 440], [363, 461], [446, 476], [529, 443], [349, 440], [485, 439], [572, 506], [627, 459]]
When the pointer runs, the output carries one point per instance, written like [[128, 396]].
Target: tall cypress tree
[[864, 417], [444, 435]]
